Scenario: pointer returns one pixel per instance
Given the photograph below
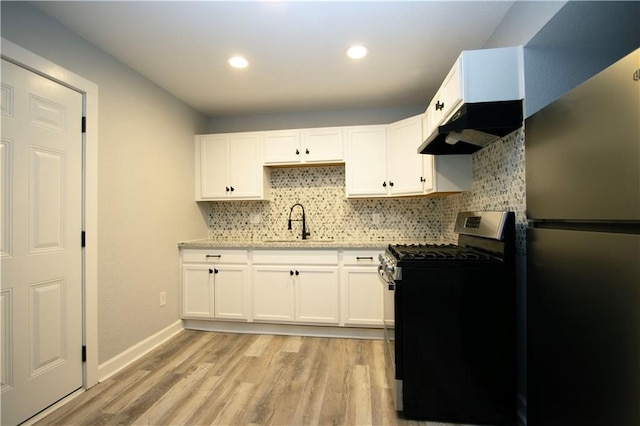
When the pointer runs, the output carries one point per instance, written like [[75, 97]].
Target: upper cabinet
[[229, 166], [366, 165], [484, 75], [305, 146], [382, 161]]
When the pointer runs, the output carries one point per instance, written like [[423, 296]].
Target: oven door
[[393, 358]]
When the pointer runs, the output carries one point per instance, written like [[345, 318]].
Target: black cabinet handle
[[297, 273], [213, 255], [232, 189], [364, 257], [226, 188], [384, 184], [297, 152], [210, 271], [306, 151], [290, 272], [390, 183], [439, 106], [422, 179]]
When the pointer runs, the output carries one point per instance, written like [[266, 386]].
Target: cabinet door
[[273, 294], [428, 164], [324, 145], [451, 91], [317, 294], [282, 147], [362, 296], [197, 291], [231, 292], [214, 166], [245, 167], [366, 165], [405, 164]]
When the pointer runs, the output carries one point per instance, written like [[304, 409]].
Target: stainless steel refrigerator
[[583, 253]]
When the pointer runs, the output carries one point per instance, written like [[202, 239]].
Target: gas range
[[438, 252], [481, 239], [449, 301]]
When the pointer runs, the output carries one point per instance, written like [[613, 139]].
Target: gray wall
[[582, 39], [309, 119], [145, 181]]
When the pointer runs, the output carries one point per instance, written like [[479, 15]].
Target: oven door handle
[[391, 285]]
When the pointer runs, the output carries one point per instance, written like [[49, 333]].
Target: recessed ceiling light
[[357, 52], [238, 62]]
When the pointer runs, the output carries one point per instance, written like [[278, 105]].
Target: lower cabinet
[[306, 286], [215, 290], [362, 298], [306, 294], [299, 286]]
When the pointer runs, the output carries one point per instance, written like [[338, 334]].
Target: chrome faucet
[[305, 233]]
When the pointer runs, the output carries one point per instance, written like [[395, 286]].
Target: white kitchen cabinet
[[384, 162], [483, 75], [445, 173], [362, 298], [323, 145], [366, 161], [296, 286], [282, 147], [304, 146], [215, 284], [229, 166], [405, 167]]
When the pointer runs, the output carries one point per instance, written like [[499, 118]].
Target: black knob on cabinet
[[390, 183], [297, 152], [226, 188], [306, 151], [290, 272], [422, 179], [232, 189], [215, 271], [211, 271], [297, 273], [439, 106], [384, 184]]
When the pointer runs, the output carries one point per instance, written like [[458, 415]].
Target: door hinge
[[84, 124], [82, 239], [84, 354]]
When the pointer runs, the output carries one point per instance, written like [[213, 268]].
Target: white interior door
[[41, 288]]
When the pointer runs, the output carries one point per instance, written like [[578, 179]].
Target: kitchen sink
[[296, 240]]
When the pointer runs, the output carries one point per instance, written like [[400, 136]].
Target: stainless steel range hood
[[473, 126]]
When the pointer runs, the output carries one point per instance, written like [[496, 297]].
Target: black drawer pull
[[364, 257], [214, 255]]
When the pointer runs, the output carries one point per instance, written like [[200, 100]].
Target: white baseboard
[[120, 361], [285, 329]]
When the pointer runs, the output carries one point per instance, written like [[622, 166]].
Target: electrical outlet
[[163, 298]]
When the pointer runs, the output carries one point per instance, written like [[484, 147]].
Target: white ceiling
[[296, 49]]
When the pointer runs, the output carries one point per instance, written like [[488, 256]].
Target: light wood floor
[[205, 378]]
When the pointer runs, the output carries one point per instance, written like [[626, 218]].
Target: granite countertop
[[206, 243]]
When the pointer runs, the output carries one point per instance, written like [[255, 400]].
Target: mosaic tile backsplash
[[499, 184]]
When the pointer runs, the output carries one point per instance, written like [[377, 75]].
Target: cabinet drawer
[[214, 256], [296, 257], [361, 257]]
